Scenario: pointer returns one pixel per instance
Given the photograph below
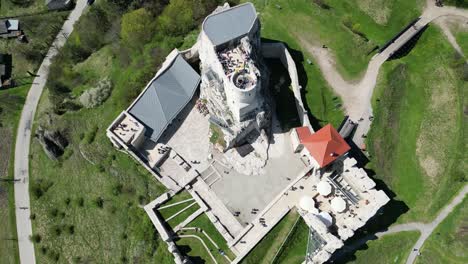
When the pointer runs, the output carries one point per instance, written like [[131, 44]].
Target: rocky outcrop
[[53, 142]]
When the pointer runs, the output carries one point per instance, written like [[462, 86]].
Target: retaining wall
[[278, 50]]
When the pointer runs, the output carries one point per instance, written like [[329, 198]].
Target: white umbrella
[[338, 204], [307, 204], [324, 188], [326, 218]]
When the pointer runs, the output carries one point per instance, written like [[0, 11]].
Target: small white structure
[[307, 204], [324, 188], [338, 204]]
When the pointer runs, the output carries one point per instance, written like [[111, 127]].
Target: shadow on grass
[[185, 250], [408, 46]]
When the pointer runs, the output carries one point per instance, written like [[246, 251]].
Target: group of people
[[162, 150], [231, 64], [201, 107]]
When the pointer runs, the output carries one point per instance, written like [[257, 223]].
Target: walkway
[[425, 229], [357, 96], [23, 140]]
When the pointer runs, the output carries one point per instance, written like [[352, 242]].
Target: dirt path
[[357, 96], [425, 229]]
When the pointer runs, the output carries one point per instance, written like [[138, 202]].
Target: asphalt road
[[23, 140]]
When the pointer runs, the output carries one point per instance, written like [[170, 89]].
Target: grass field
[[193, 247], [40, 31], [112, 230], [266, 249], [352, 44], [319, 98], [295, 247], [11, 102], [449, 241], [417, 139], [393, 248], [21, 7]]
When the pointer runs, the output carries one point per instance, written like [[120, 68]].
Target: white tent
[[338, 204], [324, 188], [326, 218], [307, 203]]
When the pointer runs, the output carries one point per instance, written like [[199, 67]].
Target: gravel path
[[357, 96], [23, 140]]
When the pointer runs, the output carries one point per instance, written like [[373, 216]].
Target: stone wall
[[278, 50]]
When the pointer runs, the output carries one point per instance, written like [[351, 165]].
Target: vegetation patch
[[324, 26], [217, 136], [449, 241], [392, 248], [266, 249], [417, 137], [11, 102], [106, 188], [295, 247]]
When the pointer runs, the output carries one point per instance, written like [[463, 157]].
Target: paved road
[[426, 229], [23, 139]]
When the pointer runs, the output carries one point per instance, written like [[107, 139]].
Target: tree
[[137, 28], [177, 18]]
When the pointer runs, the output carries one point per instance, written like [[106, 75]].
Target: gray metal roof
[[230, 24], [165, 96]]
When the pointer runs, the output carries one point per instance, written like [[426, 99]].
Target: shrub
[[44, 250], [71, 229], [91, 135], [94, 97], [99, 202], [57, 230], [117, 189], [53, 212], [80, 202], [36, 238]]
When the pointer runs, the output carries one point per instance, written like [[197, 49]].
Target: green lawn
[[417, 138], [295, 247], [266, 249], [120, 229], [11, 102], [462, 40], [41, 31], [449, 241], [205, 224], [307, 21], [458, 3], [393, 248], [21, 7], [319, 98]]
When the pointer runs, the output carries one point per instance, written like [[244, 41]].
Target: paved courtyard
[[188, 135], [242, 193]]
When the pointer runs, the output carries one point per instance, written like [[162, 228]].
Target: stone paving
[[242, 193]]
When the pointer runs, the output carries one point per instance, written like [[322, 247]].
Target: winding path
[[357, 102], [425, 229], [357, 96], [23, 140]]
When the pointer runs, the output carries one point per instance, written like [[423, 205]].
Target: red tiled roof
[[325, 145]]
